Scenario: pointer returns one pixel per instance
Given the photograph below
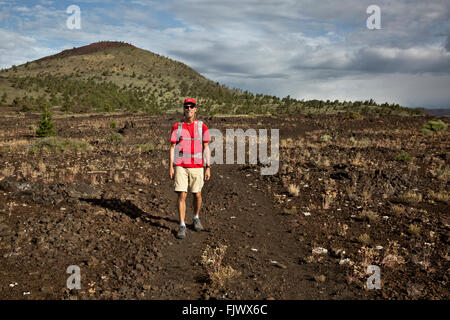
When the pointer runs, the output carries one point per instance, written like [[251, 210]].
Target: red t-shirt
[[189, 146]]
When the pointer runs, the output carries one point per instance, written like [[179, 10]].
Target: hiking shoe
[[181, 232], [197, 225]]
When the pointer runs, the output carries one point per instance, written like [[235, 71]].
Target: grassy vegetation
[[369, 215], [411, 197], [115, 138], [432, 126], [325, 138], [57, 144], [414, 230], [364, 239], [290, 211], [212, 261], [145, 147], [294, 190], [403, 157]]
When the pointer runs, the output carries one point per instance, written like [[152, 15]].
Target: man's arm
[[171, 157], [207, 155]]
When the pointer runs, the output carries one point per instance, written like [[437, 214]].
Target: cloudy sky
[[308, 49]]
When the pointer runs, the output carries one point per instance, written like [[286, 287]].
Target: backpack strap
[[200, 130], [180, 127]]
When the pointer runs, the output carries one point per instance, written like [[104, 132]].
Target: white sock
[[196, 217], [182, 224]]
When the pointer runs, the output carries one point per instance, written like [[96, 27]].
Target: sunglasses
[[187, 106]]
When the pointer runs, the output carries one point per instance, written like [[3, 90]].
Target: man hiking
[[189, 144]]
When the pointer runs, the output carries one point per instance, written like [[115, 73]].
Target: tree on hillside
[[46, 124]]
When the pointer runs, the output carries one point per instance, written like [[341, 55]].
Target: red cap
[[190, 100]]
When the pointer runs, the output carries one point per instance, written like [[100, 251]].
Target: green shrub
[[414, 230], [369, 215], [46, 124], [364, 239], [145, 147], [290, 211], [353, 115], [325, 138], [115, 138], [113, 124], [404, 157], [433, 126], [426, 132], [58, 144]]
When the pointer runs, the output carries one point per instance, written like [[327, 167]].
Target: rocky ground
[[346, 196]]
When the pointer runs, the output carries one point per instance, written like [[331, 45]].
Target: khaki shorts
[[188, 177]]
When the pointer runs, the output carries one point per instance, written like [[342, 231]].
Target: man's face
[[189, 110]]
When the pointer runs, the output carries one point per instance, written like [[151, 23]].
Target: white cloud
[[22, 9], [305, 48], [16, 49]]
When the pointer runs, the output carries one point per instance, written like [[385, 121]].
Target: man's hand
[[207, 174], [171, 173]]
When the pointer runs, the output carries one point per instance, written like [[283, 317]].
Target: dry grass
[[325, 138], [212, 261], [366, 257], [8, 170], [342, 229], [75, 169], [398, 209], [369, 215], [14, 144], [116, 178], [442, 195], [392, 256], [322, 161], [67, 176], [94, 180], [293, 210], [357, 160], [42, 167], [364, 239], [351, 193], [327, 199], [25, 169], [388, 190], [366, 142], [57, 144], [412, 168], [294, 190], [141, 178], [367, 195], [330, 194], [287, 143], [411, 197], [414, 230], [442, 172]]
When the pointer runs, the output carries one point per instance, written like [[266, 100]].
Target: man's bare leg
[[197, 203], [181, 206]]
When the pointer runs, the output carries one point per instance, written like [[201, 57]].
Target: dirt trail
[[238, 213]]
